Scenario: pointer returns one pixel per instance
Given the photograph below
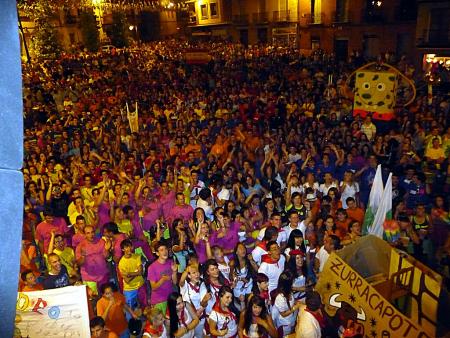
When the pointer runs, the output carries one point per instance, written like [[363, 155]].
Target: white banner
[[59, 312]]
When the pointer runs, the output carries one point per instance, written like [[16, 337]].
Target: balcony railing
[[262, 17], [241, 19], [281, 16], [373, 16], [406, 13], [314, 19], [342, 17], [434, 38]]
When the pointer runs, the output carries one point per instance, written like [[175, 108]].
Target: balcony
[[436, 38], [315, 19], [260, 18], [241, 19], [281, 16], [406, 13], [373, 16], [342, 17]]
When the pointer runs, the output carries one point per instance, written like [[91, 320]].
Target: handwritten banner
[[59, 312], [343, 290]]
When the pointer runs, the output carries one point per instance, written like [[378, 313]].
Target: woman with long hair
[[222, 321], [182, 316], [255, 321], [297, 266], [295, 242], [242, 273], [180, 243], [261, 288], [284, 307], [214, 280]]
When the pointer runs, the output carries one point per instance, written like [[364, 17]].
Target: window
[[213, 9], [204, 11]]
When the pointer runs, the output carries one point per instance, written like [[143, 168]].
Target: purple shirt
[[167, 203], [94, 268], [103, 215], [229, 241], [155, 271], [200, 249], [152, 211]]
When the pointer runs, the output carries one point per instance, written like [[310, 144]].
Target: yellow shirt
[[125, 227], [67, 257], [130, 265]]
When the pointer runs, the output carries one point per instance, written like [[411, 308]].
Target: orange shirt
[[37, 287], [356, 214], [343, 226], [116, 321], [195, 148]]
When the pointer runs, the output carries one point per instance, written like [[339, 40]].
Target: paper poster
[[351, 301], [61, 312]]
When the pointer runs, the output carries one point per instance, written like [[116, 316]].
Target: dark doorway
[[341, 50], [243, 36], [262, 35]]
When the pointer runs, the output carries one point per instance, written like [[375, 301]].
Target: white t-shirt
[[300, 226], [190, 295], [280, 239], [322, 255], [281, 305], [273, 271], [308, 326], [324, 188], [225, 321], [257, 253], [349, 191]]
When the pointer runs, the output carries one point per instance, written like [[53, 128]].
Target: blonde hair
[[151, 313]]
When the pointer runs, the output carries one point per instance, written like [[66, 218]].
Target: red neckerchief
[[151, 330], [228, 313], [196, 288], [264, 294], [319, 318], [216, 288], [183, 317], [269, 260], [263, 245]]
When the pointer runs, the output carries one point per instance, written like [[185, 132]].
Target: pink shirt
[[77, 239], [185, 212], [44, 230], [94, 268], [155, 271]]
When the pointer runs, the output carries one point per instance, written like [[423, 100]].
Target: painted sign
[[61, 312]]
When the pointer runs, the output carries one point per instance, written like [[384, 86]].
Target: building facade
[[339, 26]]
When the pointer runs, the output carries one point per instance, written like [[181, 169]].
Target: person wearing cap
[[311, 320]]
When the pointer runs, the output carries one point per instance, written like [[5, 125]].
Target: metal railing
[[342, 17], [314, 19], [241, 19], [262, 17], [280, 16], [434, 38]]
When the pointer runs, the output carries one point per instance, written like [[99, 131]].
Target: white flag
[[384, 210], [374, 200]]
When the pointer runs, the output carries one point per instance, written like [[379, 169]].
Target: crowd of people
[[217, 216]]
